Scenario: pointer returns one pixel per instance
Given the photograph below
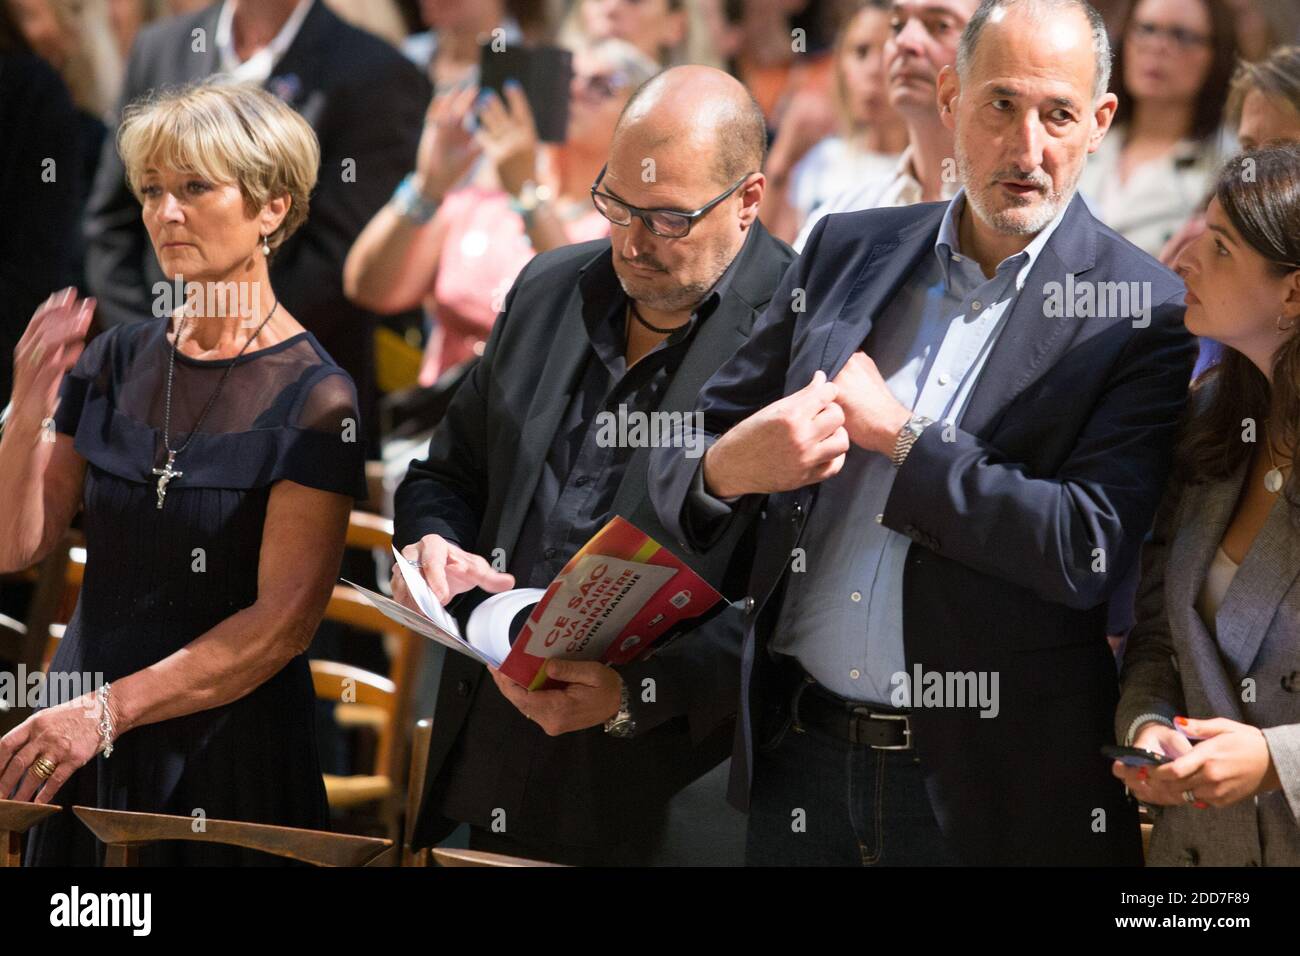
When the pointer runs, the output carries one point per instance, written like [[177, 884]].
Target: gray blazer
[[1173, 665]]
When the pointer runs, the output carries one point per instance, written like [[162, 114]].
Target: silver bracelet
[[105, 720], [1141, 719], [410, 205]]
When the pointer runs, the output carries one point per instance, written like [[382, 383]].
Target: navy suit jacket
[[1053, 473]]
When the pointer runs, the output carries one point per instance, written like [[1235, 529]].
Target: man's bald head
[[702, 109]]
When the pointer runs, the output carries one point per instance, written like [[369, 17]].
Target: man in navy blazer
[[952, 427]]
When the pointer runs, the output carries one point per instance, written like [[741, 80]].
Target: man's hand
[[592, 694], [796, 441], [872, 416], [449, 571]]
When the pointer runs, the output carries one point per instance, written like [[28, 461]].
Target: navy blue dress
[[157, 579]]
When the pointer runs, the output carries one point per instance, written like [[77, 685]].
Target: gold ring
[[44, 768]]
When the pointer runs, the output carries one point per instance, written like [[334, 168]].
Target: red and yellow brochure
[[611, 602]]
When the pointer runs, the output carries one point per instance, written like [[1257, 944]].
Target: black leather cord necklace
[[653, 328]]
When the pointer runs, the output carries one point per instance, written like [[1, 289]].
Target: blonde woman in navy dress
[[214, 455]]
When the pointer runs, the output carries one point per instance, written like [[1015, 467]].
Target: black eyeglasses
[[1181, 37], [665, 223]]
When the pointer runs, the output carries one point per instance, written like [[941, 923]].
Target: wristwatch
[[621, 724], [907, 436], [531, 195], [410, 205]]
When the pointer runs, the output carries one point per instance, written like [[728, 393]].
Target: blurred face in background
[[1168, 50], [458, 15], [862, 67], [126, 18], [724, 37], [649, 25], [44, 31], [596, 96], [923, 40], [1264, 120]]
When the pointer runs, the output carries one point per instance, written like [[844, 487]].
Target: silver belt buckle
[[907, 730]]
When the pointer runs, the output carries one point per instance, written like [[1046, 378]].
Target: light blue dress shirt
[[842, 615]]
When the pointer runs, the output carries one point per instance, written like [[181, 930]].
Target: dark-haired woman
[[1173, 67], [1212, 670]]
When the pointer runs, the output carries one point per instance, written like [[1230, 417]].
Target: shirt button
[[944, 379], [856, 596], [548, 553], [880, 519], [580, 481], [956, 258], [977, 305], [855, 673]]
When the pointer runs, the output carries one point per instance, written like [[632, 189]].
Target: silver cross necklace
[[167, 474]]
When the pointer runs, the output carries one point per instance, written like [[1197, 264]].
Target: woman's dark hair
[[1264, 208], [1212, 98]]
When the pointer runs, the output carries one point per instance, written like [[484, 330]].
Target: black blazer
[[474, 489], [1064, 447], [366, 103], [37, 250]]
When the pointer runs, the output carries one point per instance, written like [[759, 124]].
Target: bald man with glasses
[[518, 478]]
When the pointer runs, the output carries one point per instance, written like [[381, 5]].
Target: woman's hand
[[1230, 763], [66, 735], [447, 149], [508, 136], [51, 345], [1160, 739]]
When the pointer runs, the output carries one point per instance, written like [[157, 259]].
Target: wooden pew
[[124, 833]]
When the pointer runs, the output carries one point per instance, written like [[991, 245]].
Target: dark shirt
[[583, 469], [573, 500]]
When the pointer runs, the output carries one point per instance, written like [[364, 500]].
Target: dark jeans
[[821, 801]]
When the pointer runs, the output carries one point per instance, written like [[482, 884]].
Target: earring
[[1281, 328], [266, 247]]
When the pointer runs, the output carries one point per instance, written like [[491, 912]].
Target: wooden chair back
[[16, 818], [365, 699], [124, 834]]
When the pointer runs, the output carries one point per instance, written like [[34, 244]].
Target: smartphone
[[544, 72], [1134, 756]]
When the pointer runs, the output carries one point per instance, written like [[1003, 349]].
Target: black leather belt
[[880, 728]]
